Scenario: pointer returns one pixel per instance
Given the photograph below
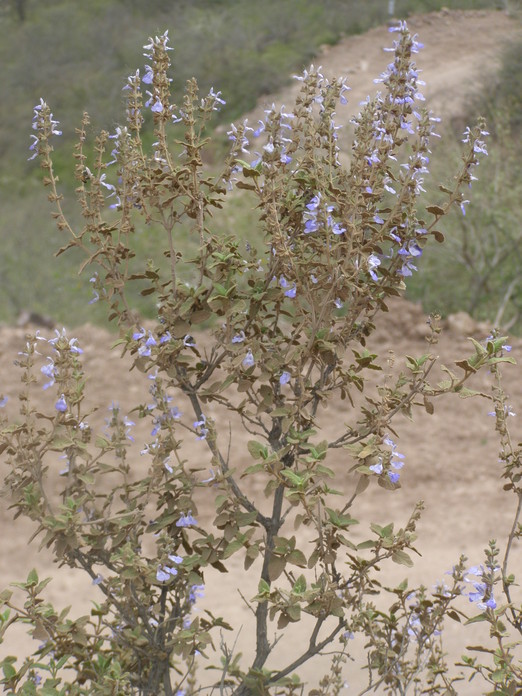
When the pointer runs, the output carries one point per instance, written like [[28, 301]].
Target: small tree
[[288, 324]]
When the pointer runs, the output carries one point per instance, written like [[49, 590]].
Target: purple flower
[[49, 371], [248, 360], [377, 468], [61, 404], [3, 401], [373, 262], [189, 342], [393, 476], [285, 378], [164, 573], [166, 337], [407, 269], [200, 427], [175, 559], [479, 595], [166, 462], [186, 520], [291, 292], [148, 78], [314, 203], [258, 131], [239, 338], [72, 342], [216, 97], [211, 478], [196, 592], [157, 107]]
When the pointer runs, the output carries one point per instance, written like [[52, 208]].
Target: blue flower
[[186, 520], [393, 476], [49, 371], [196, 592], [165, 337], [249, 360], [148, 78], [165, 573], [239, 338], [377, 468], [200, 427], [479, 595], [61, 404], [291, 292], [373, 262], [217, 100], [285, 378], [407, 269]]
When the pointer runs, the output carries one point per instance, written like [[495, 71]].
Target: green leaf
[[8, 669], [253, 469], [297, 558], [5, 596], [32, 578], [300, 585], [256, 449], [232, 548], [340, 520], [276, 565], [294, 612], [402, 558], [263, 587], [294, 478], [476, 619]]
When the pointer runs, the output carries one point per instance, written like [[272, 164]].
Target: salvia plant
[[260, 339]]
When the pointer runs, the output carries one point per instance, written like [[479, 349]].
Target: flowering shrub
[[264, 337]]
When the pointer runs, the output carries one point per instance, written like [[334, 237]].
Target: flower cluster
[[482, 594], [312, 218], [394, 460], [45, 126], [166, 573]]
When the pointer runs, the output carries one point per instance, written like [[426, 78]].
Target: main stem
[[262, 644]]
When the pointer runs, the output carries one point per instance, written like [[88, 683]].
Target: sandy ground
[[451, 456]]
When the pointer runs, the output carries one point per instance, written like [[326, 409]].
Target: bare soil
[[451, 455]]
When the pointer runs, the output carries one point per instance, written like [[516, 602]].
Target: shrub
[[265, 337]]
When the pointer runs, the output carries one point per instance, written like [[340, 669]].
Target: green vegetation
[[478, 268]]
